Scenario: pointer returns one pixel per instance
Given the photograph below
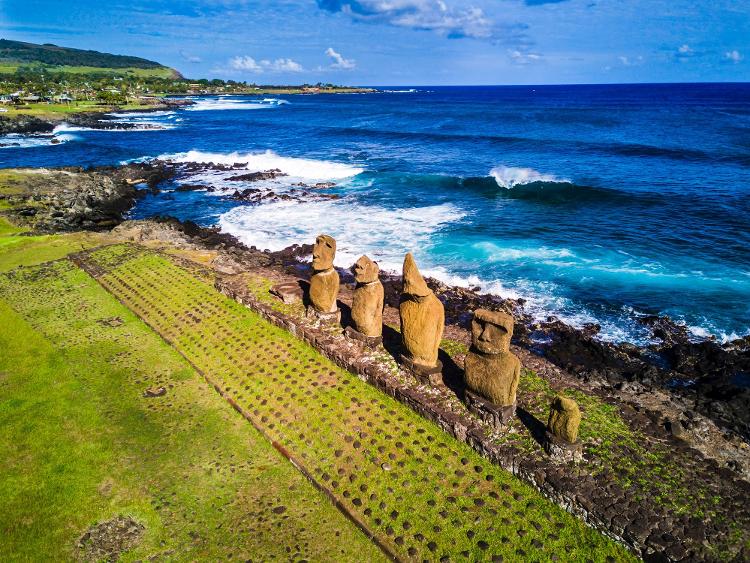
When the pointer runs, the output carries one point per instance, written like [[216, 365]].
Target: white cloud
[[685, 49], [734, 56], [521, 58], [339, 61], [190, 58], [627, 61], [249, 64], [434, 15]]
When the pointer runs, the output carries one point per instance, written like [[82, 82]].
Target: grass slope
[[21, 53], [80, 444]]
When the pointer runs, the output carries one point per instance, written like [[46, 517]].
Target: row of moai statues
[[491, 371]]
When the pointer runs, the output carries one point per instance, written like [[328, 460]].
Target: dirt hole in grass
[[112, 322], [107, 540]]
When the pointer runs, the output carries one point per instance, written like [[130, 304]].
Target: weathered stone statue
[[422, 324], [324, 283], [562, 430], [491, 370], [367, 304]]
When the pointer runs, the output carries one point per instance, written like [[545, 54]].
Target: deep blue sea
[[594, 203]]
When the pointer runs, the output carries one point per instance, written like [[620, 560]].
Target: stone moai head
[[324, 252], [414, 283], [491, 331], [365, 270]]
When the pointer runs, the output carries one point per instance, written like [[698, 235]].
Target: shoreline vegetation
[[666, 467]]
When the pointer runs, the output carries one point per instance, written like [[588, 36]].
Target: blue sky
[[407, 42]]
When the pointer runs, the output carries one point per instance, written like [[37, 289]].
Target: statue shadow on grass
[[453, 375], [536, 427]]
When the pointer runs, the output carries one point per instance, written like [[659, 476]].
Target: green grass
[[425, 494], [59, 111], [11, 68], [20, 249], [79, 444]]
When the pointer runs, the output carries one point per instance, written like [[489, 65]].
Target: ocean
[[596, 204]]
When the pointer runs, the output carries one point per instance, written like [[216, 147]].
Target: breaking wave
[[384, 234], [213, 104], [304, 168], [21, 141], [509, 177]]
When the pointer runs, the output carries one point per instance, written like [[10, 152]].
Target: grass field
[[80, 444], [54, 112]]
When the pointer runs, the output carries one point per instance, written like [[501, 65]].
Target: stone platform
[[425, 375], [496, 415], [324, 318], [371, 341], [562, 451]]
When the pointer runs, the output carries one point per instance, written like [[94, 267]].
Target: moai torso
[[324, 290], [422, 317], [367, 304], [491, 370], [324, 283]]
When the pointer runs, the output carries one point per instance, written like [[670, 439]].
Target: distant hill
[[17, 53]]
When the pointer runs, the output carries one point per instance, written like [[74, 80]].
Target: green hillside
[[16, 54]]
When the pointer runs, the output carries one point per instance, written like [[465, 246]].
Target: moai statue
[[562, 441], [491, 370], [367, 304], [324, 283], [422, 324]]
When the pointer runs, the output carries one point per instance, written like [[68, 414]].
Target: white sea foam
[[508, 177], [497, 253], [296, 168], [709, 331], [20, 141], [142, 114], [213, 104], [139, 126], [383, 234]]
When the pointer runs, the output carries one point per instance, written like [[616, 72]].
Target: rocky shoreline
[[697, 382], [704, 376], [99, 119]]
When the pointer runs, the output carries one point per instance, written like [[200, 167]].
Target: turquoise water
[[594, 203]]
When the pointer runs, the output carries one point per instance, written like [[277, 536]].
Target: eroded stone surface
[[367, 301], [564, 419], [491, 369], [422, 318], [324, 283]]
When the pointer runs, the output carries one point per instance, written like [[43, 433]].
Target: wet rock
[[257, 176], [24, 124]]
